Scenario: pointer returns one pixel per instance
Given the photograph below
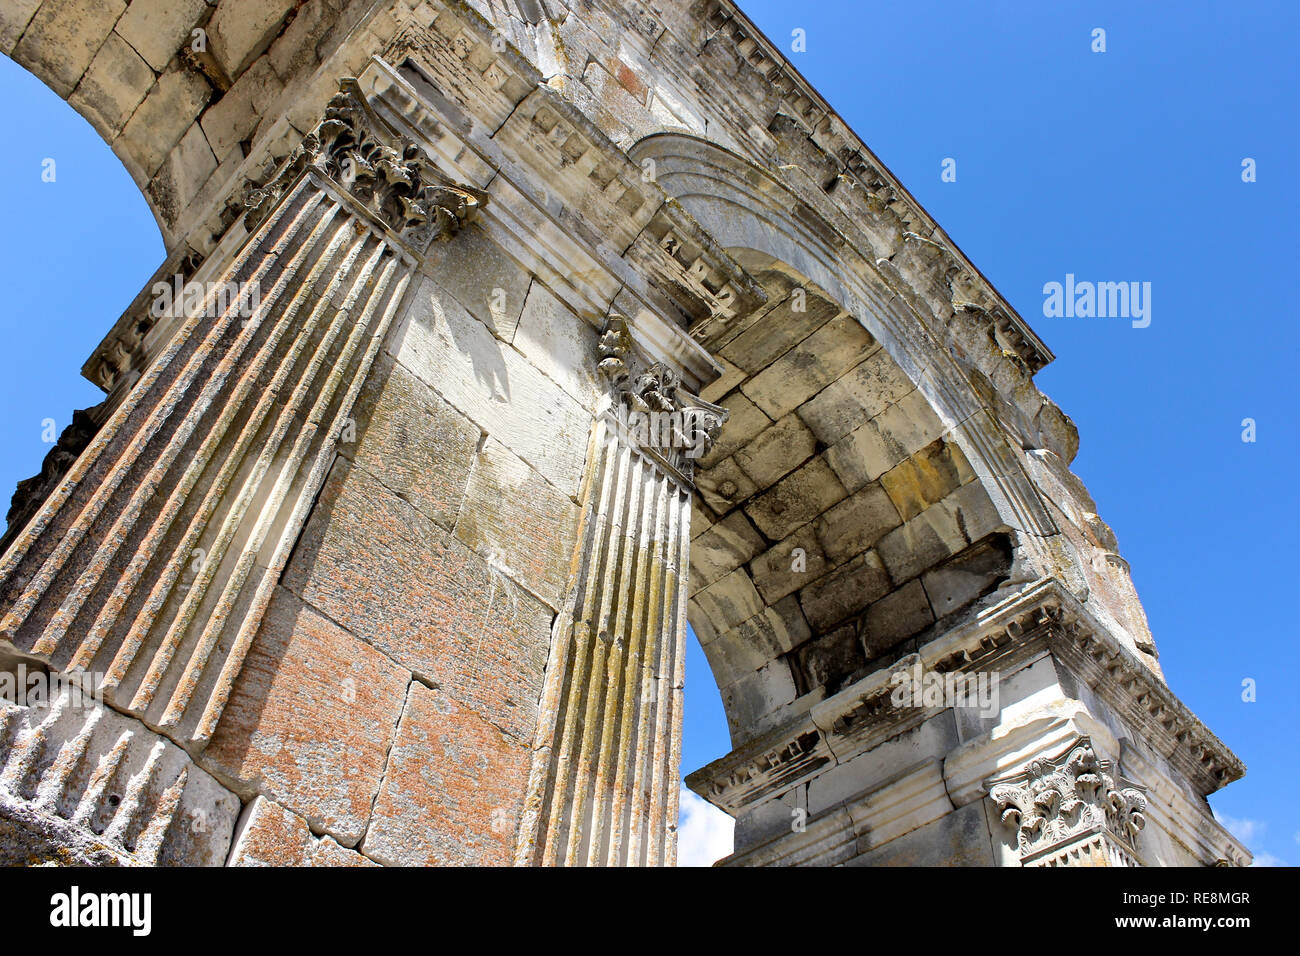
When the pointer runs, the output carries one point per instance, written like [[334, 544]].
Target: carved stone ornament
[[1056, 801], [389, 176], [661, 414]]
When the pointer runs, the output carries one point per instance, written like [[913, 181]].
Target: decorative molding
[[1041, 616], [390, 177], [663, 416], [1074, 797]]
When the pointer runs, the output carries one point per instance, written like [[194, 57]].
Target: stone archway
[[414, 484]]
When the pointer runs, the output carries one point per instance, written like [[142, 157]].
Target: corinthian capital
[[650, 399], [391, 177], [1056, 806]]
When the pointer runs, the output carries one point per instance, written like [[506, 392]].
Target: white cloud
[[704, 833], [1268, 859], [1244, 829]]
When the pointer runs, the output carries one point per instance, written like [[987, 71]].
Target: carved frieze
[[1075, 796], [389, 176]]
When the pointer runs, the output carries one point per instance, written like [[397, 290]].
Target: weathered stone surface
[[856, 523], [828, 661], [311, 719], [156, 29], [453, 790], [859, 395], [242, 29], [846, 590], [796, 499], [973, 572], [234, 117], [779, 331], [63, 37], [413, 442], [377, 566], [873, 448], [941, 530], [752, 700], [560, 343], [112, 87], [518, 522], [926, 478], [781, 570], [725, 603], [776, 451], [745, 421], [14, 18], [162, 119], [495, 387], [724, 486], [270, 835], [721, 549], [895, 617], [487, 283], [810, 366]]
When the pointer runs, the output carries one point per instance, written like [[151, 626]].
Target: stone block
[[830, 660], [751, 701], [810, 366], [776, 451], [724, 604], [796, 499], [157, 29], [856, 523], [495, 387], [181, 176], [894, 618], [453, 791], [845, 591], [112, 87], [724, 486], [559, 343], [413, 442], [63, 37], [234, 117], [778, 331], [241, 29], [744, 423], [328, 852], [873, 448], [731, 376], [721, 549], [270, 835], [926, 477], [518, 522], [492, 287], [14, 17], [857, 396], [380, 568], [780, 571], [168, 111], [311, 718], [974, 572]]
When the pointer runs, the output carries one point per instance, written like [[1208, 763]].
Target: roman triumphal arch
[[496, 341]]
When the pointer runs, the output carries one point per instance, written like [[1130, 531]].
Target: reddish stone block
[[454, 789], [311, 719]]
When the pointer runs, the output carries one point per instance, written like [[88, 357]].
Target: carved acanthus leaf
[[390, 177], [1055, 800], [652, 401]]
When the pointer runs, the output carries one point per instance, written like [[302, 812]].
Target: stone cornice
[[1044, 615], [972, 291]]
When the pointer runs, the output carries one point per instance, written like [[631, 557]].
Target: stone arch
[[192, 115], [851, 506]]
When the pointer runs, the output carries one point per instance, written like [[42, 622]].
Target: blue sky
[[1123, 165]]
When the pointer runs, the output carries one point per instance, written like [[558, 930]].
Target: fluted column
[[153, 561], [604, 784]]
